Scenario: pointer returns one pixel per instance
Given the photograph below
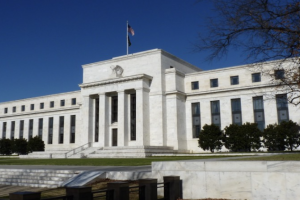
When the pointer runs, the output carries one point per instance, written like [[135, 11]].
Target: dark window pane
[[279, 74], [74, 101], [214, 82], [234, 80], [195, 85], [256, 77]]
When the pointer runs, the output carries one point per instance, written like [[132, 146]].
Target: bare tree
[[264, 30]]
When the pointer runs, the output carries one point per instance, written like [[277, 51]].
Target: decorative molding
[[115, 81], [39, 112]]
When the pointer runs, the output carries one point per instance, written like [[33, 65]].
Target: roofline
[[141, 54], [31, 98]]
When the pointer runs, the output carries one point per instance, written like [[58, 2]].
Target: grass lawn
[[282, 157], [100, 161]]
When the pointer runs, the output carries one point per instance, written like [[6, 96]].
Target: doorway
[[114, 137]]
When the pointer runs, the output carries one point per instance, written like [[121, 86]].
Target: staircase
[[130, 152], [36, 177]]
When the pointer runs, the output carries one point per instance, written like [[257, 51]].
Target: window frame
[[233, 79], [195, 85], [254, 79], [279, 74], [214, 82], [62, 103]]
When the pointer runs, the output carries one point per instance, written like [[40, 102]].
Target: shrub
[[244, 137], [273, 139], [6, 146], [210, 138], [35, 144], [290, 130], [20, 146]]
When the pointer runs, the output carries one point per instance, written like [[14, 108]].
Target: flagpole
[[127, 37]]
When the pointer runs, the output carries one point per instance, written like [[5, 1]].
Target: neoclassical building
[[150, 99]]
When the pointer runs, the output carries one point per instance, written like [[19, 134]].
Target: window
[[133, 116], [41, 105], [21, 129], [14, 109], [282, 107], [61, 130], [196, 119], [32, 107], [279, 74], [114, 109], [195, 85], [30, 129], [12, 130], [40, 134], [214, 83], [215, 113], [236, 111], [23, 108], [51, 104], [62, 102], [4, 130], [259, 116], [5, 110], [73, 125], [234, 80], [50, 130], [73, 101], [256, 77]]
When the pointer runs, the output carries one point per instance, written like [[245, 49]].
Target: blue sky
[[43, 43]]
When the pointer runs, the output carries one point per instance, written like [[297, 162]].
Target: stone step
[[29, 184], [136, 151], [16, 180], [37, 178], [138, 147], [118, 155]]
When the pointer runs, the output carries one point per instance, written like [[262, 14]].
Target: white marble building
[[150, 98]]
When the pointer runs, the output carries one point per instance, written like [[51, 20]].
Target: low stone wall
[[251, 180]]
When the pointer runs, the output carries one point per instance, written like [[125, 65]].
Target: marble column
[[122, 128], [8, 129], [87, 121], [103, 120], [26, 129], [45, 129], [142, 117], [67, 129], [35, 130]]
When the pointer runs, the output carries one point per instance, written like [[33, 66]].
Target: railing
[[77, 149], [147, 190]]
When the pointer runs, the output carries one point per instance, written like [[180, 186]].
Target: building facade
[[150, 98]]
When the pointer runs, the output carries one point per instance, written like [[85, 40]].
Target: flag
[[129, 43], [130, 30]]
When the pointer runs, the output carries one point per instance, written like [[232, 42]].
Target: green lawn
[[282, 157], [99, 161]]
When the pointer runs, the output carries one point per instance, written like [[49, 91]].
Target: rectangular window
[[61, 130], [114, 109], [50, 130], [41, 105], [214, 83], [14, 109], [196, 123], [282, 108], [5, 110], [4, 130], [30, 129], [32, 107], [195, 85], [279, 74], [259, 115], [133, 116], [73, 101], [96, 120], [73, 125], [12, 130], [256, 77], [21, 129], [40, 128], [62, 102], [215, 113], [234, 80], [51, 104], [23, 108], [236, 111]]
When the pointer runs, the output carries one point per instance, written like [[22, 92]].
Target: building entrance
[[114, 137]]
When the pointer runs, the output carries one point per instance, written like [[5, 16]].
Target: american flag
[[130, 30]]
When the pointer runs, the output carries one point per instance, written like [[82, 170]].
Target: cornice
[[116, 80], [231, 89], [39, 112]]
